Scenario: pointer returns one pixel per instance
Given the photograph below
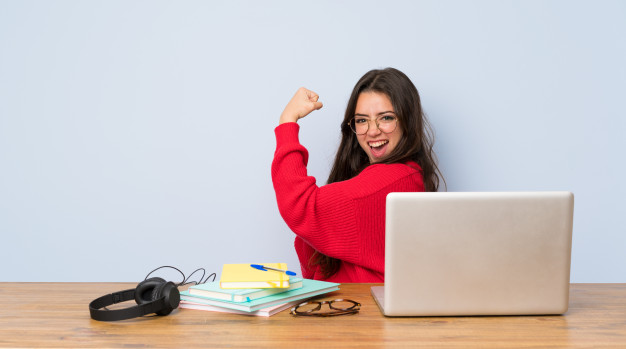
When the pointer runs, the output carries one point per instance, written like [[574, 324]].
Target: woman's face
[[377, 144]]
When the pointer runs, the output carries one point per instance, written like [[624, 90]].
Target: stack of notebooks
[[245, 290]]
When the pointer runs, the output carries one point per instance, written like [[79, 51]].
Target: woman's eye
[[360, 121], [388, 118]]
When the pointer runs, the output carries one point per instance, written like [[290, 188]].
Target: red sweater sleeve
[[344, 220], [305, 252]]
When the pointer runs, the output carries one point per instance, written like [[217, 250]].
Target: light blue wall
[[135, 134]]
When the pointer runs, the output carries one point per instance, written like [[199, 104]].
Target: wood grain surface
[[56, 315]]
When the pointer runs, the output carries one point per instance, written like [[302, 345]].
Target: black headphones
[[153, 295]]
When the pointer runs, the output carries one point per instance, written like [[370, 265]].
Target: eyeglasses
[[337, 307], [386, 124]]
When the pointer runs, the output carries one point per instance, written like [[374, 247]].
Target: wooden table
[[56, 315]]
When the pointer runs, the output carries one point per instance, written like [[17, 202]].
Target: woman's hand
[[300, 105]]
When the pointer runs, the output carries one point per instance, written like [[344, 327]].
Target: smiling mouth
[[378, 144]]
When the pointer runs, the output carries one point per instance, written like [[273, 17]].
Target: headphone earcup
[[171, 294], [153, 295], [145, 290]]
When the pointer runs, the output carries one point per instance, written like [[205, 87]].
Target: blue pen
[[264, 268]]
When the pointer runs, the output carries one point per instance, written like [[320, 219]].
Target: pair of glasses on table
[[337, 307]]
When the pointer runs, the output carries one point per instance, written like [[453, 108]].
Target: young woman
[[386, 147]]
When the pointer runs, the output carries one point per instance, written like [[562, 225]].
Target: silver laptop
[[459, 254]]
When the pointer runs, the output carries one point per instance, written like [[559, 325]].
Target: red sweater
[[344, 220]]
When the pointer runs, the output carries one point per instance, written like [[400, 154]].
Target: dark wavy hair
[[415, 145]]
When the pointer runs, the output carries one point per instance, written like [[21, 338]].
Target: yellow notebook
[[244, 276]]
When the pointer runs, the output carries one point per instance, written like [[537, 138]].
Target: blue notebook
[[213, 290], [309, 289]]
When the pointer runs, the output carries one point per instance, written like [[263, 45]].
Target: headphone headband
[[152, 295], [165, 298]]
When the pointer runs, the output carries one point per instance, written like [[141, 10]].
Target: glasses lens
[[342, 304], [387, 123], [359, 125], [307, 307]]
